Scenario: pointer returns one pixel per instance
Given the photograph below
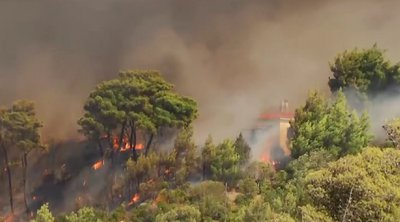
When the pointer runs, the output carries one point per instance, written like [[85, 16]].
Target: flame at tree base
[[134, 199], [265, 158], [99, 164]]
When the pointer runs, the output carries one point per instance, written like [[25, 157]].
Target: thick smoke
[[234, 57]]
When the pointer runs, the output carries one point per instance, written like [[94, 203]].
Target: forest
[[138, 160]]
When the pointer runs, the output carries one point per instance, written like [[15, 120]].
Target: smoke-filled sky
[[235, 57]]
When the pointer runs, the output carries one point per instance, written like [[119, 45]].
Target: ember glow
[[139, 146], [134, 199], [99, 164], [265, 158], [125, 144]]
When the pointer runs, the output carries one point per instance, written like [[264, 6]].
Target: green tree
[[225, 165], [361, 187], [346, 132], [248, 187], [392, 129], [320, 125], [183, 213], [258, 210], [207, 154], [44, 214], [138, 102], [85, 214], [242, 148], [144, 169], [211, 199], [310, 214], [19, 131], [26, 127], [187, 162], [366, 70], [308, 125], [262, 173]]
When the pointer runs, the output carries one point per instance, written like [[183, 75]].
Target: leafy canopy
[[366, 70], [365, 184], [19, 127], [320, 125], [135, 101]]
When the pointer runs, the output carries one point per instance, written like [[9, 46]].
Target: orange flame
[[115, 142], [139, 146], [125, 144], [134, 199], [99, 164], [265, 158]]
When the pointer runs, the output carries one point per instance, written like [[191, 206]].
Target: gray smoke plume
[[235, 57]]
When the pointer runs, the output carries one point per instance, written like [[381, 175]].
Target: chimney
[[284, 106]]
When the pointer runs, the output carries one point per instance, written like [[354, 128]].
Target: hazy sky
[[235, 57]]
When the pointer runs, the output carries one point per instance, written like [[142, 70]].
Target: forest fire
[[125, 144], [138, 146], [99, 164], [134, 199], [265, 158]]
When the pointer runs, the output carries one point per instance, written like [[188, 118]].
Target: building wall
[[284, 126]]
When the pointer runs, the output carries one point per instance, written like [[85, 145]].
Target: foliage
[[259, 210], [136, 102], [322, 183], [19, 133], [20, 127], [225, 163], [242, 149], [85, 214], [187, 162], [207, 154], [364, 186], [319, 125], [211, 199], [248, 187], [366, 71], [44, 214], [392, 129], [182, 213], [263, 174], [310, 214]]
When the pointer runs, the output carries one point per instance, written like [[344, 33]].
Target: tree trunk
[[24, 171], [121, 135], [111, 149], [100, 146], [133, 141], [8, 171], [149, 144]]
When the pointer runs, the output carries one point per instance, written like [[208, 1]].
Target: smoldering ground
[[234, 57]]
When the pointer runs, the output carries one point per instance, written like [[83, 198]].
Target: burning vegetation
[[99, 164], [129, 166]]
